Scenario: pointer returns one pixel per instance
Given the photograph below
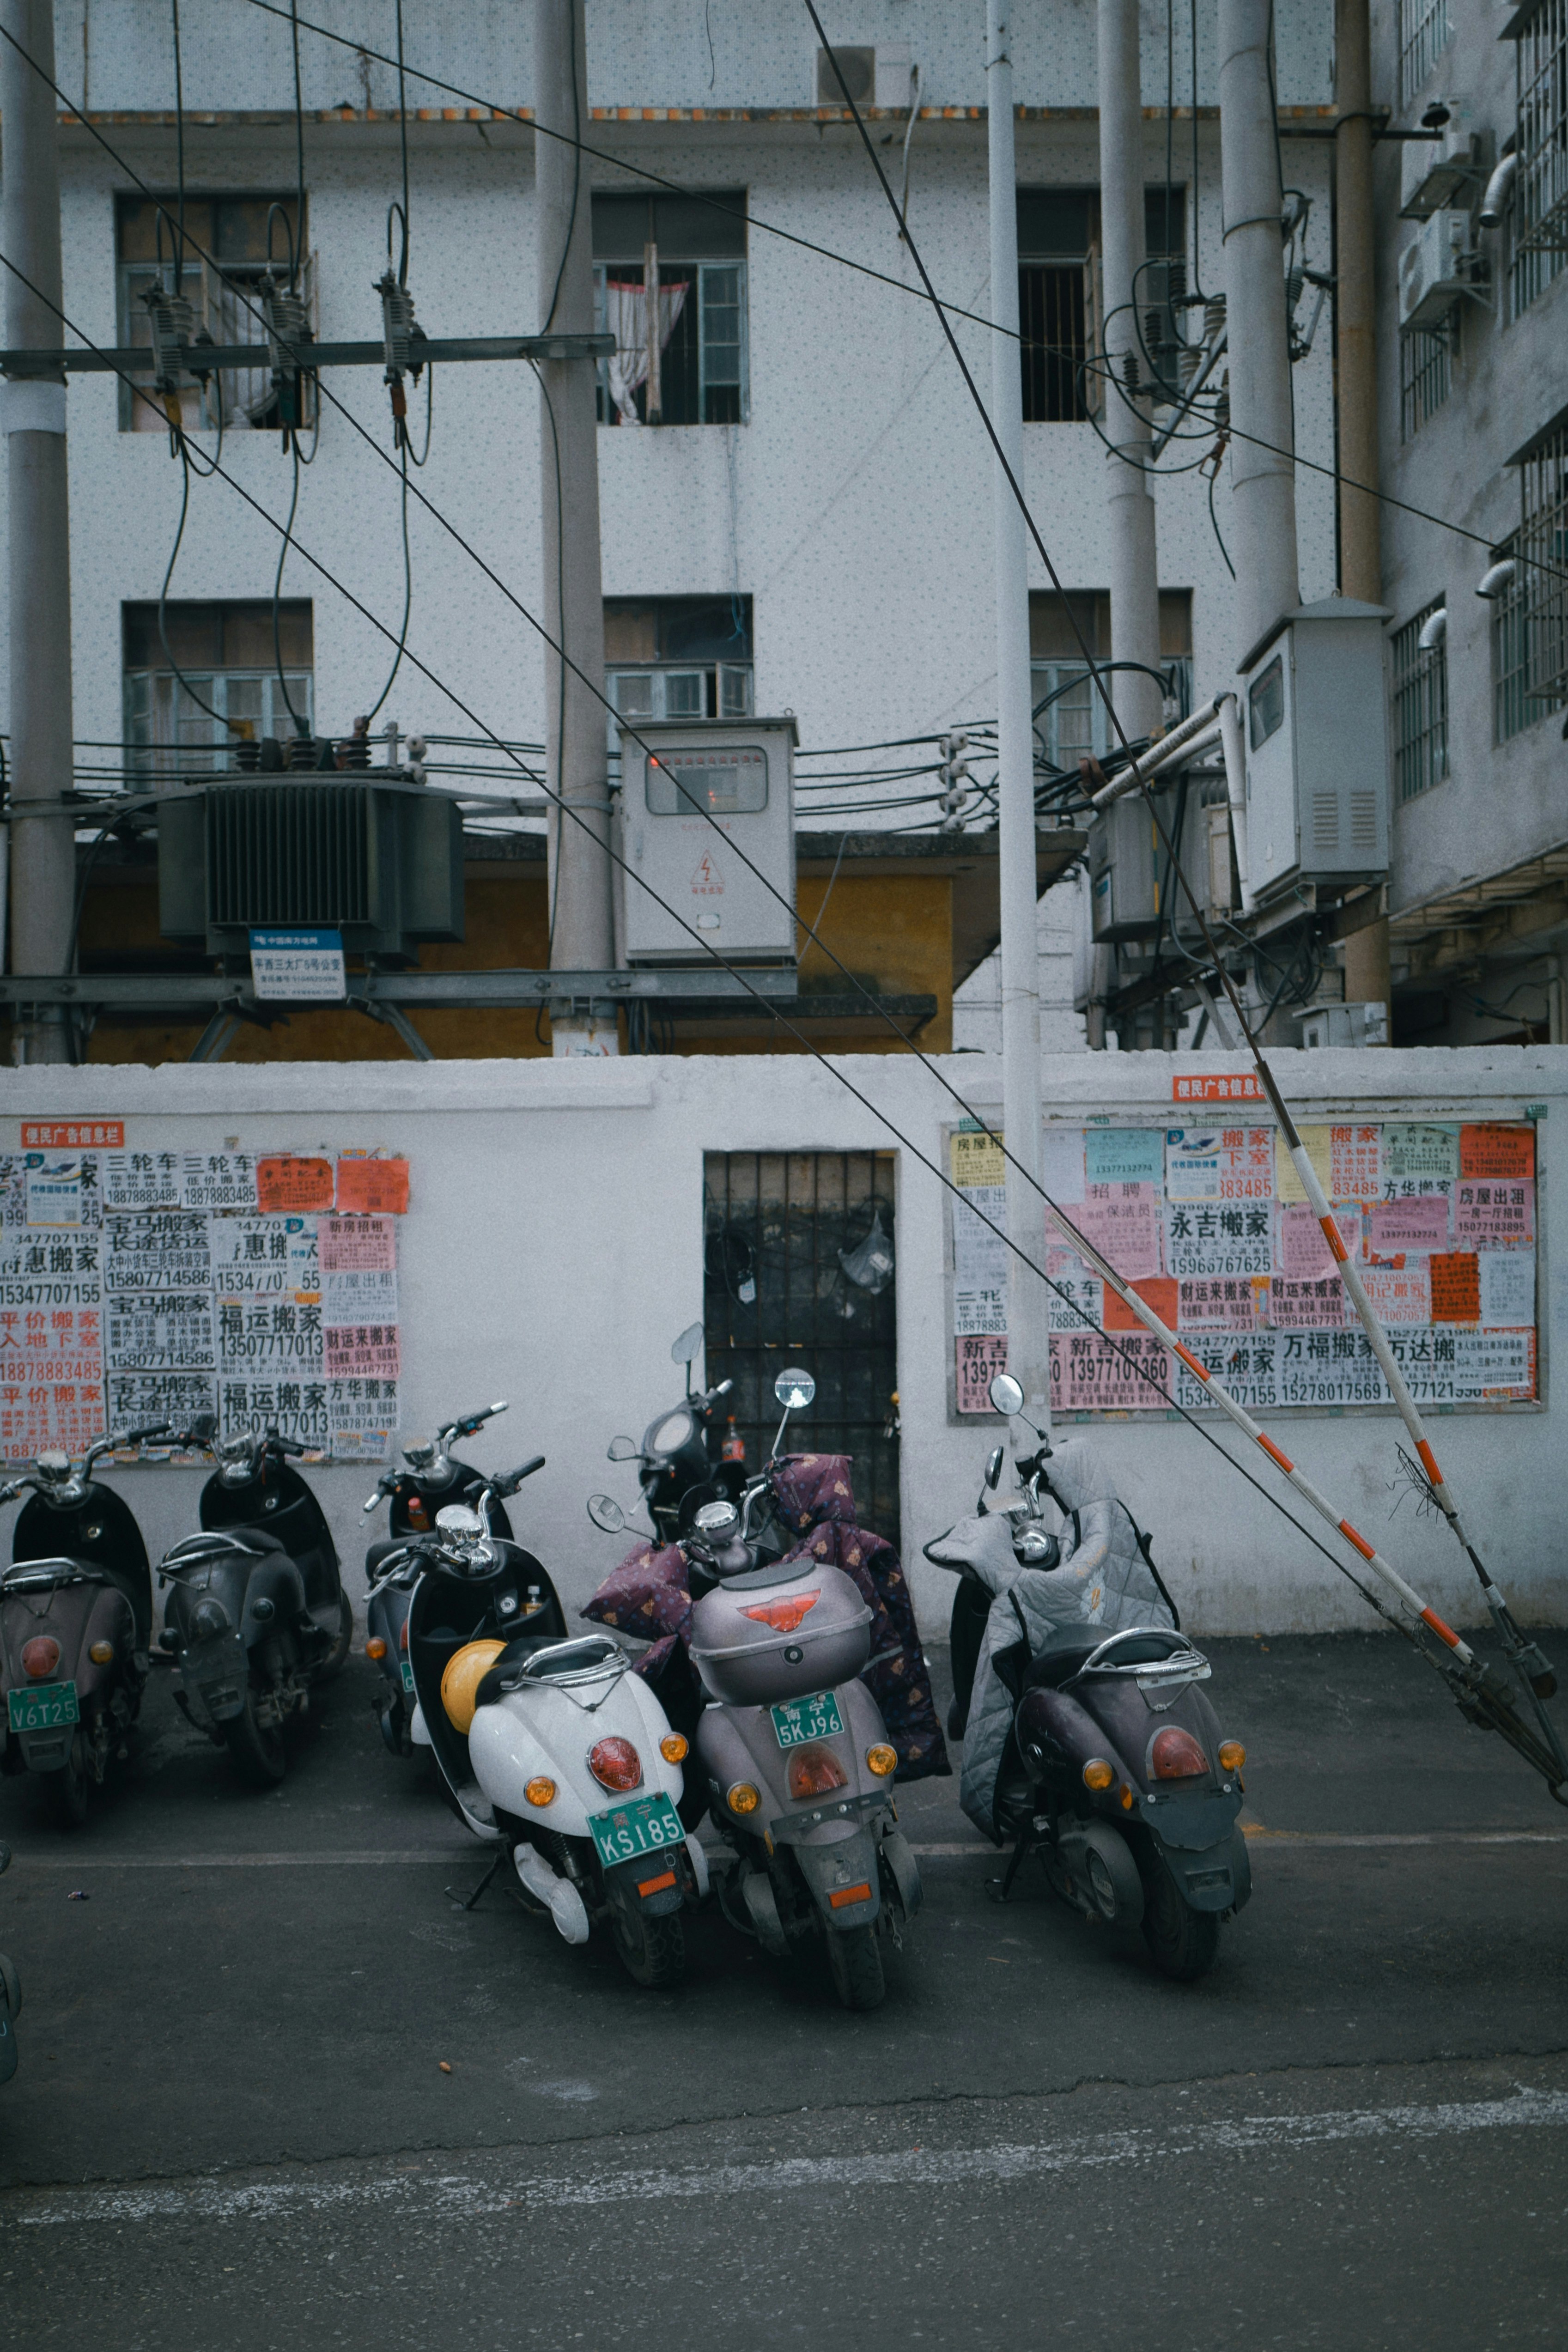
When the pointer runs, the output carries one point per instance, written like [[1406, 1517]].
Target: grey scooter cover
[[1102, 1585]]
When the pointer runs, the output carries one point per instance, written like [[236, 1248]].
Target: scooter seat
[[212, 1542]]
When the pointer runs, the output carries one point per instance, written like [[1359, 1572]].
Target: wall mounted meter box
[[704, 791], [1315, 723]]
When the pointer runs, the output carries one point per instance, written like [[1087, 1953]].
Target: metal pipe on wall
[[43, 838], [582, 926], [1129, 502], [1262, 466], [1028, 1331]]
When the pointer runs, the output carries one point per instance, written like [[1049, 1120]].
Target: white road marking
[[459, 2194]]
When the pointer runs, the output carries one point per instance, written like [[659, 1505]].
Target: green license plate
[[646, 1826], [407, 1675], [800, 1719], [43, 1707]]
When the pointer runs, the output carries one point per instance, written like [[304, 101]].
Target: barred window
[[1541, 183], [1420, 707], [1425, 371], [1530, 619], [1426, 29]]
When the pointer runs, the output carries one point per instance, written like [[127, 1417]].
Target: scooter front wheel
[[855, 1957], [1184, 1943], [65, 1791], [256, 1750], [652, 1951]]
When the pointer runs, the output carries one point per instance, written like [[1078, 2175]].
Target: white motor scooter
[[553, 1751]]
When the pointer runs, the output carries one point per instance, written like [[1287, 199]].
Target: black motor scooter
[[432, 1479], [682, 1463], [1115, 1772], [256, 1612], [76, 1624], [10, 1998]]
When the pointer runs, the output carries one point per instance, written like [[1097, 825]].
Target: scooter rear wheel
[[855, 1957], [1184, 1943], [65, 1791], [652, 1951], [256, 1751]]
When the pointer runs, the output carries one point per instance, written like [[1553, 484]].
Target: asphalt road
[[231, 2122]]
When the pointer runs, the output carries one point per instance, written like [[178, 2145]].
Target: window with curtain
[[669, 283], [677, 658], [224, 262]]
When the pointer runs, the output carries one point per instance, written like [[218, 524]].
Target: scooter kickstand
[[468, 1902], [1000, 1888]]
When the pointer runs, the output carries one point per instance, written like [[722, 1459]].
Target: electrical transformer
[[704, 803], [1315, 720]]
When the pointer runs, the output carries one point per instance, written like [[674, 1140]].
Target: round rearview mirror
[[716, 1523], [457, 1519], [1006, 1396], [689, 1346], [606, 1514], [795, 1388], [624, 1449]]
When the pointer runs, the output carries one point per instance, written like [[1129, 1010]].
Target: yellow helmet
[[464, 1674]]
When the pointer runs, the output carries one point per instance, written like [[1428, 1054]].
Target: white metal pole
[[1029, 1328], [1262, 467]]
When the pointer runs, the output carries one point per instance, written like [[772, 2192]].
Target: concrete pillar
[[1130, 504]]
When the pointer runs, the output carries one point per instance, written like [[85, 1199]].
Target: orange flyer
[[371, 1188], [1497, 1151], [284, 1184], [1156, 1290], [1456, 1286]]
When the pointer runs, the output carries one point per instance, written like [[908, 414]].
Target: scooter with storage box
[[432, 1478], [792, 1745], [76, 1624], [255, 1612], [552, 1752]]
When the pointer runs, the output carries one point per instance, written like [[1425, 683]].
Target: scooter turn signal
[[673, 1748], [1232, 1755], [882, 1760], [540, 1792], [376, 1647], [742, 1797], [1097, 1773]]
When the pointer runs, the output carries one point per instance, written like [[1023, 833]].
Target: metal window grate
[[1426, 373], [1426, 29], [775, 1293], [1515, 704], [1541, 183], [1420, 709], [1543, 548]]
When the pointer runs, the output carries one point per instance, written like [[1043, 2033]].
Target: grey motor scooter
[[793, 1747]]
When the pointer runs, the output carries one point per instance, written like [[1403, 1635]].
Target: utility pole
[[1129, 502], [1028, 1331], [582, 923], [1262, 466], [43, 837], [1355, 362]]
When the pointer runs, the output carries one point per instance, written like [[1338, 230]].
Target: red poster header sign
[[284, 1182], [73, 1134], [373, 1187], [1203, 1089]]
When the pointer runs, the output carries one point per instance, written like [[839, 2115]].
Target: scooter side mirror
[[624, 1449], [689, 1347], [1007, 1395], [993, 1465], [606, 1514]]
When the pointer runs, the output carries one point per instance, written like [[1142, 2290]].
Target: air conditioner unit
[[1442, 172], [1431, 269], [880, 77], [1315, 714]]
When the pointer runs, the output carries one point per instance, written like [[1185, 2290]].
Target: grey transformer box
[[702, 791], [1314, 711]]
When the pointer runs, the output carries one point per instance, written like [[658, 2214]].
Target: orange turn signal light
[[882, 1758], [376, 1647], [742, 1797], [102, 1654], [1126, 1798], [541, 1792], [1232, 1755], [673, 1748], [1097, 1773]]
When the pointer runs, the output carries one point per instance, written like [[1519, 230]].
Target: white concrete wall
[[553, 1248]]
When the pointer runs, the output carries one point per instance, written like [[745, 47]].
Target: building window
[[223, 291], [1531, 617], [1420, 706], [189, 705], [1426, 30], [1541, 183], [680, 357], [1425, 371], [1070, 721], [677, 658], [1059, 300]]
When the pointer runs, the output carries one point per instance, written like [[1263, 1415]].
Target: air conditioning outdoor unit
[[876, 77], [1438, 172], [1315, 723], [1431, 269]]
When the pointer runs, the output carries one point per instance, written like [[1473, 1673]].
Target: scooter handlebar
[[514, 1478]]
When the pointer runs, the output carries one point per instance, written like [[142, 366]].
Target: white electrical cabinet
[[1315, 715], [702, 805]]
